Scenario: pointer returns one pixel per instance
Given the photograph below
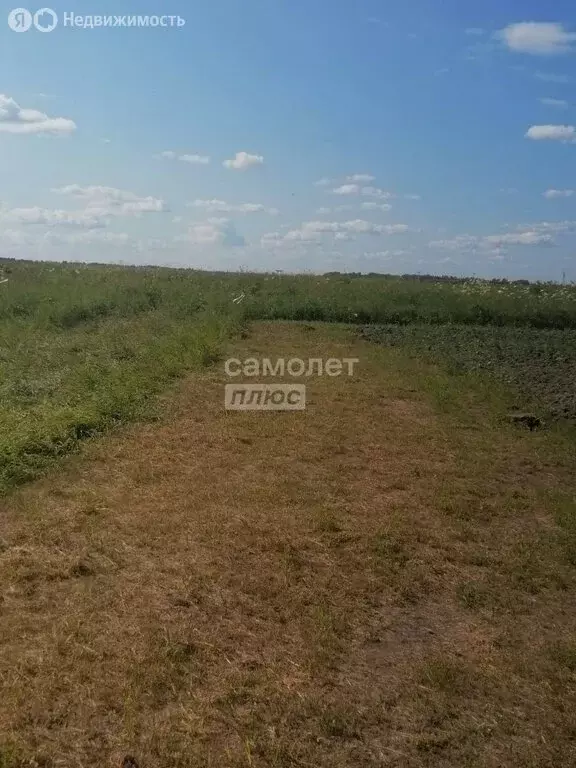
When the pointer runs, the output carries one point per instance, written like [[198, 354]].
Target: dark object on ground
[[308, 328], [129, 762], [527, 419]]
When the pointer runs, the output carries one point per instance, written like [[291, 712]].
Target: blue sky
[[443, 135]]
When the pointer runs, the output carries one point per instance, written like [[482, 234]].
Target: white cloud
[[195, 159], [412, 197], [313, 231], [539, 38], [272, 239], [366, 206], [322, 182], [362, 178], [51, 218], [204, 234], [94, 236], [214, 232], [375, 192], [560, 103], [100, 205], [50, 244], [494, 244], [358, 190], [138, 206], [556, 227], [370, 206], [108, 201], [14, 119], [242, 161], [460, 242], [319, 227], [563, 133], [190, 159], [347, 189], [552, 194], [384, 255], [519, 238], [359, 226], [220, 206]]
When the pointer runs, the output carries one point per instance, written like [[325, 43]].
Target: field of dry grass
[[384, 579]]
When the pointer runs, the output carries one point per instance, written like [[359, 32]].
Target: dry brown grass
[[370, 582]]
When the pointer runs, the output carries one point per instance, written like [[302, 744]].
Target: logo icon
[[45, 20], [20, 20]]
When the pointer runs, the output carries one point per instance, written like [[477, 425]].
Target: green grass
[[84, 347], [401, 301], [61, 387], [66, 295]]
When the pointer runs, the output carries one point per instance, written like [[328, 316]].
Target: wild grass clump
[[85, 348]]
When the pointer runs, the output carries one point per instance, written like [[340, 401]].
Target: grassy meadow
[[83, 349], [386, 578], [87, 347]]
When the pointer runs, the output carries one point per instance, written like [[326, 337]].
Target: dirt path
[[369, 582]]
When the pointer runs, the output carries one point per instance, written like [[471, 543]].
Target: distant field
[[65, 295], [402, 301], [85, 347]]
